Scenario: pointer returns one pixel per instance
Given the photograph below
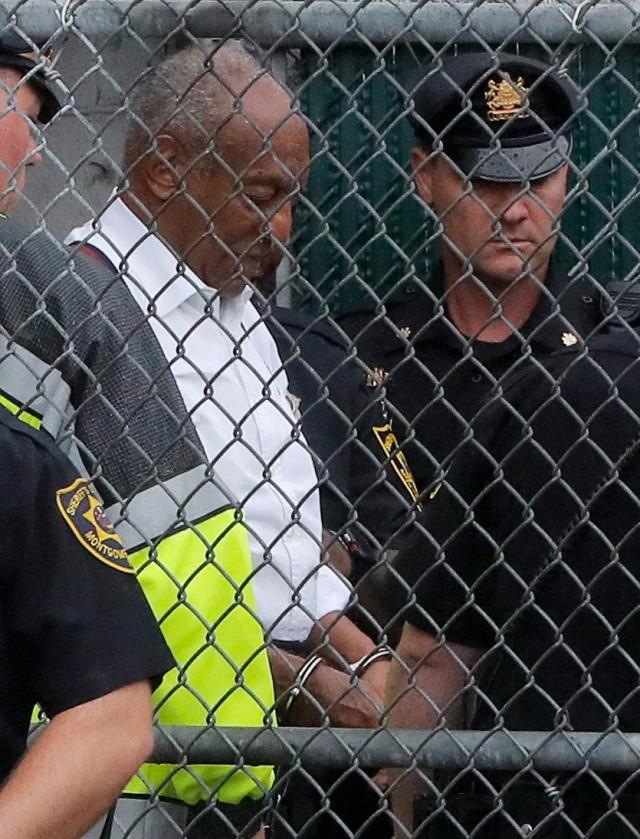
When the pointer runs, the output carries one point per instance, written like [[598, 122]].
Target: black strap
[[107, 827]]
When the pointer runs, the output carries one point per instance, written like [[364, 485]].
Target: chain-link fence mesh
[[361, 402]]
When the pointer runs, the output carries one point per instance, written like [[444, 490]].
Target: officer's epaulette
[[296, 323]]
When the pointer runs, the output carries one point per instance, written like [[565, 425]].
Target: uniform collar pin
[[376, 377], [569, 339]]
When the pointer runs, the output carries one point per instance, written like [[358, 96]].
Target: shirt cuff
[[333, 592]]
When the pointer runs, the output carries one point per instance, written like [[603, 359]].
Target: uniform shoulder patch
[[84, 514]]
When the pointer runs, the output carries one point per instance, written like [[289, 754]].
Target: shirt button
[[476, 378]]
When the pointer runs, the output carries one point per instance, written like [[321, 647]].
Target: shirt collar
[[155, 273], [554, 322]]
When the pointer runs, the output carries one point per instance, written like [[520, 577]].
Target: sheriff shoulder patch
[[389, 442], [91, 526]]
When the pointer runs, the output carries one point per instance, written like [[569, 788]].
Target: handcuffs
[[355, 668]]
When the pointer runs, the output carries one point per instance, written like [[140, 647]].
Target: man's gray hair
[[190, 95]]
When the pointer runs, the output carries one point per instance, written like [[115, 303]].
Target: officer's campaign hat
[[499, 117], [35, 66]]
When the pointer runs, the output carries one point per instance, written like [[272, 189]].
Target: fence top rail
[[383, 23], [340, 748]]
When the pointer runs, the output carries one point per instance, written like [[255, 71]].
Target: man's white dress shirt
[[227, 368]]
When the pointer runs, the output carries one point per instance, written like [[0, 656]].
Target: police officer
[[493, 142], [76, 635], [528, 588]]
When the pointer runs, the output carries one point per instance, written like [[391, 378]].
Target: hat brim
[[51, 102], [37, 75], [517, 163]]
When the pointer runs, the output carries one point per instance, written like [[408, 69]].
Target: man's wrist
[[301, 678]]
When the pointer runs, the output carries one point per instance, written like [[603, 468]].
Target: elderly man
[[69, 603], [491, 162], [214, 157]]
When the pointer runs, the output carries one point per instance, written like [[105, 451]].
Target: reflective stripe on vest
[[32, 390], [197, 579], [37, 394]]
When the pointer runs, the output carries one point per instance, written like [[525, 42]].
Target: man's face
[[239, 206], [20, 104], [502, 230]]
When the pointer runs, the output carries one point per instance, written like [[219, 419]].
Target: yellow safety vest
[[198, 582]]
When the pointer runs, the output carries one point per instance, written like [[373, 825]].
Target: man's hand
[[374, 682], [332, 693], [75, 770], [350, 702], [328, 691]]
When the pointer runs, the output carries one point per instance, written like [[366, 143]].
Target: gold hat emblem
[[44, 57], [569, 339], [506, 99]]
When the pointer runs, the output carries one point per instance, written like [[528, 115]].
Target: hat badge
[[44, 57], [506, 99]]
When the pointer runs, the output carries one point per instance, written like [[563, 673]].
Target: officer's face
[[20, 104], [504, 231], [236, 211]]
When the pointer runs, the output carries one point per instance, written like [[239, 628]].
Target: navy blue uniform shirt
[[436, 380], [365, 482], [531, 546], [74, 624]]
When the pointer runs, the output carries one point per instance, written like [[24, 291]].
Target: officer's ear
[[422, 164], [162, 166]]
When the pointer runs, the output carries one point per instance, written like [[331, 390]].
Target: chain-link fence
[[343, 334]]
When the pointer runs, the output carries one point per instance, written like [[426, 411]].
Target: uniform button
[[476, 378], [587, 299]]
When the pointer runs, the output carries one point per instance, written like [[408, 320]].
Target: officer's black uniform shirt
[[531, 547], [436, 380], [74, 624], [361, 490]]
